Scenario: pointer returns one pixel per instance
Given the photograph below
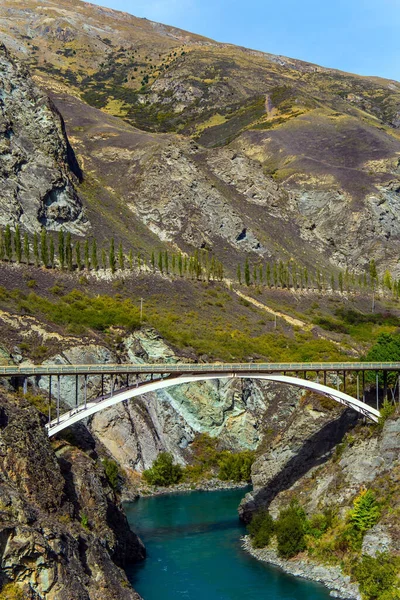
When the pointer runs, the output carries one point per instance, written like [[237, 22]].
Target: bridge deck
[[108, 369]]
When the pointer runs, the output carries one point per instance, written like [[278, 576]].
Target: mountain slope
[[216, 146]]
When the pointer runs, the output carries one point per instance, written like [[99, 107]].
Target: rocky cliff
[[38, 168], [331, 480], [63, 533]]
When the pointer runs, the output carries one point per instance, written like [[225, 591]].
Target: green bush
[[261, 529], [163, 471], [387, 410], [320, 523], [11, 592], [290, 530], [112, 473], [236, 467], [205, 452], [366, 511], [378, 577], [84, 521]]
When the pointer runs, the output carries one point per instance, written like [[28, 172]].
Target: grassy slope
[[206, 321]]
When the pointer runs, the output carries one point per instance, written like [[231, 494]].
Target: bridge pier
[[49, 398], [58, 398], [85, 392]]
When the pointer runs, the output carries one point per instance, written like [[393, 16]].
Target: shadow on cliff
[[315, 451]]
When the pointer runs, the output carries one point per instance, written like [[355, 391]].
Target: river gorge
[[194, 551]]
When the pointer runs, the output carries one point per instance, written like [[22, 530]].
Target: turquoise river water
[[194, 553]]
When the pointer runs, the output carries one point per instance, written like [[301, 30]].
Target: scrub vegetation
[[207, 461], [333, 539]]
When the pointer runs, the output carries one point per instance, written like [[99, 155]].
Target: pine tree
[[61, 248], [18, 244], [7, 243], [104, 259], [36, 249], [26, 248], [373, 273], [153, 261], [268, 274], [78, 255], [180, 265], [44, 250], [95, 261], [239, 275], [306, 277], [121, 258], [87, 255], [68, 252], [332, 282], [387, 280], [247, 272], [139, 261], [173, 264], [255, 274], [130, 259], [52, 252], [160, 262], [340, 280], [111, 256], [166, 261], [275, 275]]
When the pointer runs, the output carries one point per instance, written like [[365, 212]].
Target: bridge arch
[[90, 408]]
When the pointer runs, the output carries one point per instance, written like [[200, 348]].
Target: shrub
[[11, 592], [387, 410], [163, 471], [290, 530], [205, 451], [366, 511], [112, 473], [236, 467], [261, 529], [378, 577], [320, 523], [363, 516], [84, 521]]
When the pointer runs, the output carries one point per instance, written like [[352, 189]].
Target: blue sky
[[360, 36]]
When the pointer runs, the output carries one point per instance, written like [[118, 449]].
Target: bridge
[[126, 381]]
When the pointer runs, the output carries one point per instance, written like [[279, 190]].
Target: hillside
[[216, 146]]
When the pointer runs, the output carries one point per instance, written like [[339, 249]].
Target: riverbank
[[331, 577], [204, 485]]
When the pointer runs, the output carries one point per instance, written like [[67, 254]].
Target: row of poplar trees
[[71, 256], [290, 275]]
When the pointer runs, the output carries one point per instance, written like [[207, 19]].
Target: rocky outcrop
[[367, 458], [306, 442], [37, 165], [62, 530]]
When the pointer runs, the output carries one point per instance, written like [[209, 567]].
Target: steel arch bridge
[[137, 379]]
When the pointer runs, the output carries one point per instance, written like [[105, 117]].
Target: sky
[[359, 36]]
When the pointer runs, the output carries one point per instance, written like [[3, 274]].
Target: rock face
[[306, 442], [37, 165], [62, 532], [322, 478]]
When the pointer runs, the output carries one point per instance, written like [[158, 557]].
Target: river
[[194, 552]]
